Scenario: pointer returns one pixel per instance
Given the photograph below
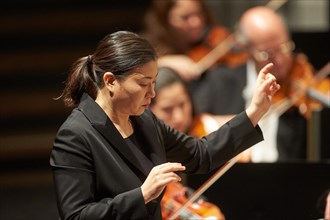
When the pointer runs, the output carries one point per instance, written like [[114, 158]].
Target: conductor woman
[[112, 157]]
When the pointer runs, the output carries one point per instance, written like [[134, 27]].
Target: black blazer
[[97, 176]]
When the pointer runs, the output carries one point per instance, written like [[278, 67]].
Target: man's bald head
[[261, 24], [266, 38]]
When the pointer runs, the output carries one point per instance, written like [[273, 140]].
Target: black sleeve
[[210, 152]]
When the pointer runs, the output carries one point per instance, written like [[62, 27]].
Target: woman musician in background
[[183, 32], [173, 104]]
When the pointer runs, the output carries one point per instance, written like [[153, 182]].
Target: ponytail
[[81, 79]]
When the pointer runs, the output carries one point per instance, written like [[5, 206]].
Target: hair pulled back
[[159, 11], [167, 77], [118, 53]]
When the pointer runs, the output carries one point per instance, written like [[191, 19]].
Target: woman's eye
[[168, 110], [147, 84], [143, 84]]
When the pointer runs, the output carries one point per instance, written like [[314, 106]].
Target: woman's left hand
[[265, 89], [158, 178]]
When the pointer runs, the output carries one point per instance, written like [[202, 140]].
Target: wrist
[[145, 196], [254, 114]]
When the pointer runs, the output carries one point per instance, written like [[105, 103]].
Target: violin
[[196, 194], [175, 196], [198, 128], [218, 47], [303, 88]]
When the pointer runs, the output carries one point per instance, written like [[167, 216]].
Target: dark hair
[[161, 9], [118, 53], [157, 29], [166, 77]]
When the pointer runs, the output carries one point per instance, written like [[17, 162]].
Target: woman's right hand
[[158, 178]]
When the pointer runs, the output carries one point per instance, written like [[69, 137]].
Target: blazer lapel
[[110, 132], [153, 143], [103, 124]]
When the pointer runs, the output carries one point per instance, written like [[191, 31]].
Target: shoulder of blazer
[[92, 111]]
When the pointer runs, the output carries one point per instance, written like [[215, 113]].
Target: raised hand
[[265, 89]]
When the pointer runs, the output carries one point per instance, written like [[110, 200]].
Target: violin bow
[[205, 186], [222, 48], [323, 72]]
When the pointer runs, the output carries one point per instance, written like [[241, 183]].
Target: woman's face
[[173, 106], [187, 18], [133, 94]]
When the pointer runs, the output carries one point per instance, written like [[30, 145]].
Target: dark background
[[39, 40], [272, 191]]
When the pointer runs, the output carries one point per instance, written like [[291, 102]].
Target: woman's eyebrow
[[149, 77]]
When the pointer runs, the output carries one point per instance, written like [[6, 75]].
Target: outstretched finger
[[264, 71]]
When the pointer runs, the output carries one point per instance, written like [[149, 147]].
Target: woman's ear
[[109, 80]]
